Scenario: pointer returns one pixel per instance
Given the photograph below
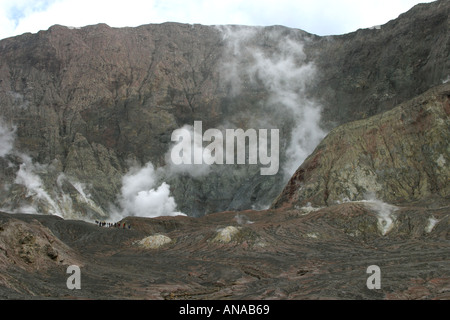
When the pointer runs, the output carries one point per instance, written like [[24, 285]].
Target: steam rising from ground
[[242, 219], [284, 72], [432, 221], [193, 170], [6, 139], [143, 195], [385, 214], [252, 57], [282, 68], [37, 198], [27, 177], [384, 211]]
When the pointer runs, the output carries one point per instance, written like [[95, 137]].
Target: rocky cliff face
[[373, 70], [399, 156], [80, 107], [90, 100]]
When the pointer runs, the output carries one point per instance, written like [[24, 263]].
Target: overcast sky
[[322, 17]]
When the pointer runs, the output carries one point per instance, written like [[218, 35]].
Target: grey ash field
[[274, 254]]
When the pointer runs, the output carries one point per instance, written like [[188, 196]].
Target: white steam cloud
[[285, 73], [7, 136], [54, 201], [38, 198], [143, 195], [26, 174], [432, 221], [242, 219], [27, 177], [385, 212], [193, 170]]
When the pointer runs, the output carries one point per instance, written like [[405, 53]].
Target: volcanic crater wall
[[83, 107]]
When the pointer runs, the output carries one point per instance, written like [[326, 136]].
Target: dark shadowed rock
[[373, 70]]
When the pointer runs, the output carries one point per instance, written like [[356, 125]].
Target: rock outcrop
[[154, 242], [399, 156], [28, 247]]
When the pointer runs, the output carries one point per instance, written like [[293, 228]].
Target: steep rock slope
[[373, 70], [399, 156]]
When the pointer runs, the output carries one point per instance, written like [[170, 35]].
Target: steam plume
[[6, 139], [143, 195], [284, 71]]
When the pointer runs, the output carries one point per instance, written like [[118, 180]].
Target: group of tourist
[[123, 225]]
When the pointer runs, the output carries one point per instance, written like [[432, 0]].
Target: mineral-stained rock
[[154, 241], [398, 156], [33, 244], [226, 234]]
